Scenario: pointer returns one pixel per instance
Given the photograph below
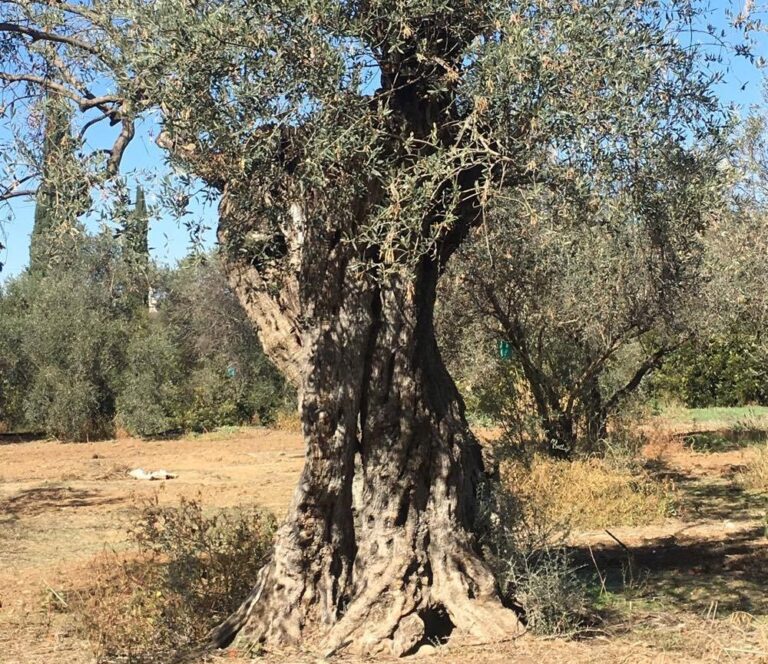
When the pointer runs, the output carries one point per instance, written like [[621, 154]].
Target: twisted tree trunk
[[377, 551]]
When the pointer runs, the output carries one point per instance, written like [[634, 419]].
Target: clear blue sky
[[170, 242]]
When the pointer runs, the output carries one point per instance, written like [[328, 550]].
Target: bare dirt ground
[[690, 589]]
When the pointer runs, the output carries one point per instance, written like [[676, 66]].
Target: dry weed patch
[[287, 420], [587, 494], [187, 572], [755, 475]]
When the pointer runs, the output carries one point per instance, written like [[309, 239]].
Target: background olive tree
[[196, 363], [725, 361], [82, 353], [592, 287]]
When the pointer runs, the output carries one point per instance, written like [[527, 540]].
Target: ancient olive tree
[[355, 145]]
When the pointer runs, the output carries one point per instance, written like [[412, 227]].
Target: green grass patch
[[727, 415]]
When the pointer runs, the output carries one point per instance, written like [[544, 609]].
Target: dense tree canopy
[[329, 96], [82, 354]]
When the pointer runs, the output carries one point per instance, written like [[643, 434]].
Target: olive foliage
[[69, 326], [591, 290], [725, 363], [291, 97], [355, 145], [197, 364], [581, 136]]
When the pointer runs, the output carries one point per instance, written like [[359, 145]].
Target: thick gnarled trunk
[[377, 552]]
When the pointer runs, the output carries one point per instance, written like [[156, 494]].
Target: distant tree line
[[95, 337], [549, 324], [82, 353]]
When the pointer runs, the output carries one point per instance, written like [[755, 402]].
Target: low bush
[[187, 572], [533, 569], [528, 514]]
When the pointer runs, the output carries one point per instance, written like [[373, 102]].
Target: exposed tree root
[[402, 601]]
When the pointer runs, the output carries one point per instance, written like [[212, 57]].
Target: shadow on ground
[[724, 440], [34, 501], [714, 498], [27, 437], [729, 574], [721, 569]]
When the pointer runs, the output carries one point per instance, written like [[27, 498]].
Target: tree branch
[[14, 192], [118, 149], [17, 193], [651, 363], [94, 121], [544, 395], [44, 35], [46, 83], [85, 102], [83, 12]]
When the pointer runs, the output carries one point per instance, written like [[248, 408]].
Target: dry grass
[[588, 494], [121, 614], [661, 443], [187, 572], [738, 637], [49, 539], [288, 421], [755, 475]]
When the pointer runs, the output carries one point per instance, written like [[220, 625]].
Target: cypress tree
[[56, 131], [63, 192], [137, 230], [136, 245]]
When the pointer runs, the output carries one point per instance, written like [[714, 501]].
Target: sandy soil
[[701, 576]]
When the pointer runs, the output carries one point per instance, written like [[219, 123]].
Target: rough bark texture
[[377, 552]]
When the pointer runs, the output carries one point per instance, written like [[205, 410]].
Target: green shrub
[[15, 370], [72, 324], [200, 364], [80, 351], [728, 371], [151, 399], [67, 407]]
